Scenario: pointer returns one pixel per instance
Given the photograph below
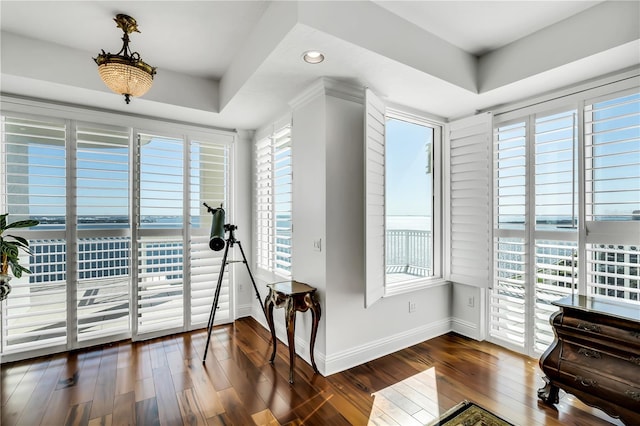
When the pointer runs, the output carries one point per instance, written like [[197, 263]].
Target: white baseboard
[[360, 354], [465, 328], [244, 311], [381, 347]]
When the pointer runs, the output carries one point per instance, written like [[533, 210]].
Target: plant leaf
[[22, 224], [23, 241]]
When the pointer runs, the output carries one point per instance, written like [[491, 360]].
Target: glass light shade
[[125, 79]]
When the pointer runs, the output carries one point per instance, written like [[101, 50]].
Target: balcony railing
[[408, 251]]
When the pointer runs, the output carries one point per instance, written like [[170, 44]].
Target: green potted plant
[[10, 246]]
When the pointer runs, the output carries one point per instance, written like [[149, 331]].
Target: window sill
[[268, 277], [408, 287]]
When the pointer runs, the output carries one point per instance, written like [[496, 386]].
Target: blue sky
[[408, 186]]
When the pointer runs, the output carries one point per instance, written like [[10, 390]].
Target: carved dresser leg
[[549, 392]]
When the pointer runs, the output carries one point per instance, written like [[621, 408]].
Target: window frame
[[374, 151], [397, 113]]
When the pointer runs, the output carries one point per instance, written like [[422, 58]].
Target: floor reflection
[[413, 401]]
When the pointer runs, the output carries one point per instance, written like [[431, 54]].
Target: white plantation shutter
[[556, 219], [556, 171], [374, 197], [282, 185], [137, 263], [508, 297], [470, 194], [274, 174], [160, 254], [264, 205], [612, 180], [205, 270], [612, 158], [510, 176], [160, 284], [104, 251], [208, 183], [556, 277], [508, 294], [535, 228], [34, 171]]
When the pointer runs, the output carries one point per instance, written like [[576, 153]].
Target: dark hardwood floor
[[163, 381]]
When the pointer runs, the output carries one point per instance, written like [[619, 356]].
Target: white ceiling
[[479, 27], [236, 64]]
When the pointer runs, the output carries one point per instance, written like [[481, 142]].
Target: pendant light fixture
[[125, 72]]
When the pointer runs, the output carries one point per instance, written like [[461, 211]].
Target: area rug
[[468, 413]]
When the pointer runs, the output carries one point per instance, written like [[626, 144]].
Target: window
[[131, 202], [35, 177], [103, 250], [160, 242], [402, 188], [273, 193], [408, 201], [550, 238]]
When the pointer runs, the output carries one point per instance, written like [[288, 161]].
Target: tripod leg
[[214, 306], [255, 287]]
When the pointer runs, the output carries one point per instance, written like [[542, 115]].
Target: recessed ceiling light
[[313, 57]]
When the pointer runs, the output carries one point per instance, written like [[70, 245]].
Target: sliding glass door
[[566, 210], [121, 250]]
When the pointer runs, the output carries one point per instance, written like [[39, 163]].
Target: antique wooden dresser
[[595, 356]]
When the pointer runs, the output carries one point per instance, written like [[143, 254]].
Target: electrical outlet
[[317, 244], [471, 302], [412, 307]]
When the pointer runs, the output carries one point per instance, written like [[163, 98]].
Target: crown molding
[[329, 87]]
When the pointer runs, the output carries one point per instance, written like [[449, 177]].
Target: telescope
[[217, 243], [216, 239]]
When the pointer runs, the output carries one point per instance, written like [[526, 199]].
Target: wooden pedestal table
[[293, 296]]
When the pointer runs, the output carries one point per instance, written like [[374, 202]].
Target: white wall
[[468, 305], [242, 183], [328, 203]]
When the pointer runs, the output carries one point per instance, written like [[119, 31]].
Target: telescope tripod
[[229, 243]]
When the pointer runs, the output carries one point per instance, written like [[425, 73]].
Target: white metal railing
[[408, 251]]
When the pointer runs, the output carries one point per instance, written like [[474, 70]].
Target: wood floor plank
[[78, 415], [35, 408], [168, 409], [147, 412], [10, 377], [234, 407], [125, 381], [102, 421], [141, 361], [157, 354], [124, 409], [192, 414], [164, 382], [105, 389], [204, 390], [265, 418], [15, 405], [144, 389]]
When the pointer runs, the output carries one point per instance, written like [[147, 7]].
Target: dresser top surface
[[624, 310]]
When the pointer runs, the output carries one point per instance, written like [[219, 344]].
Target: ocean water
[[418, 223]]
